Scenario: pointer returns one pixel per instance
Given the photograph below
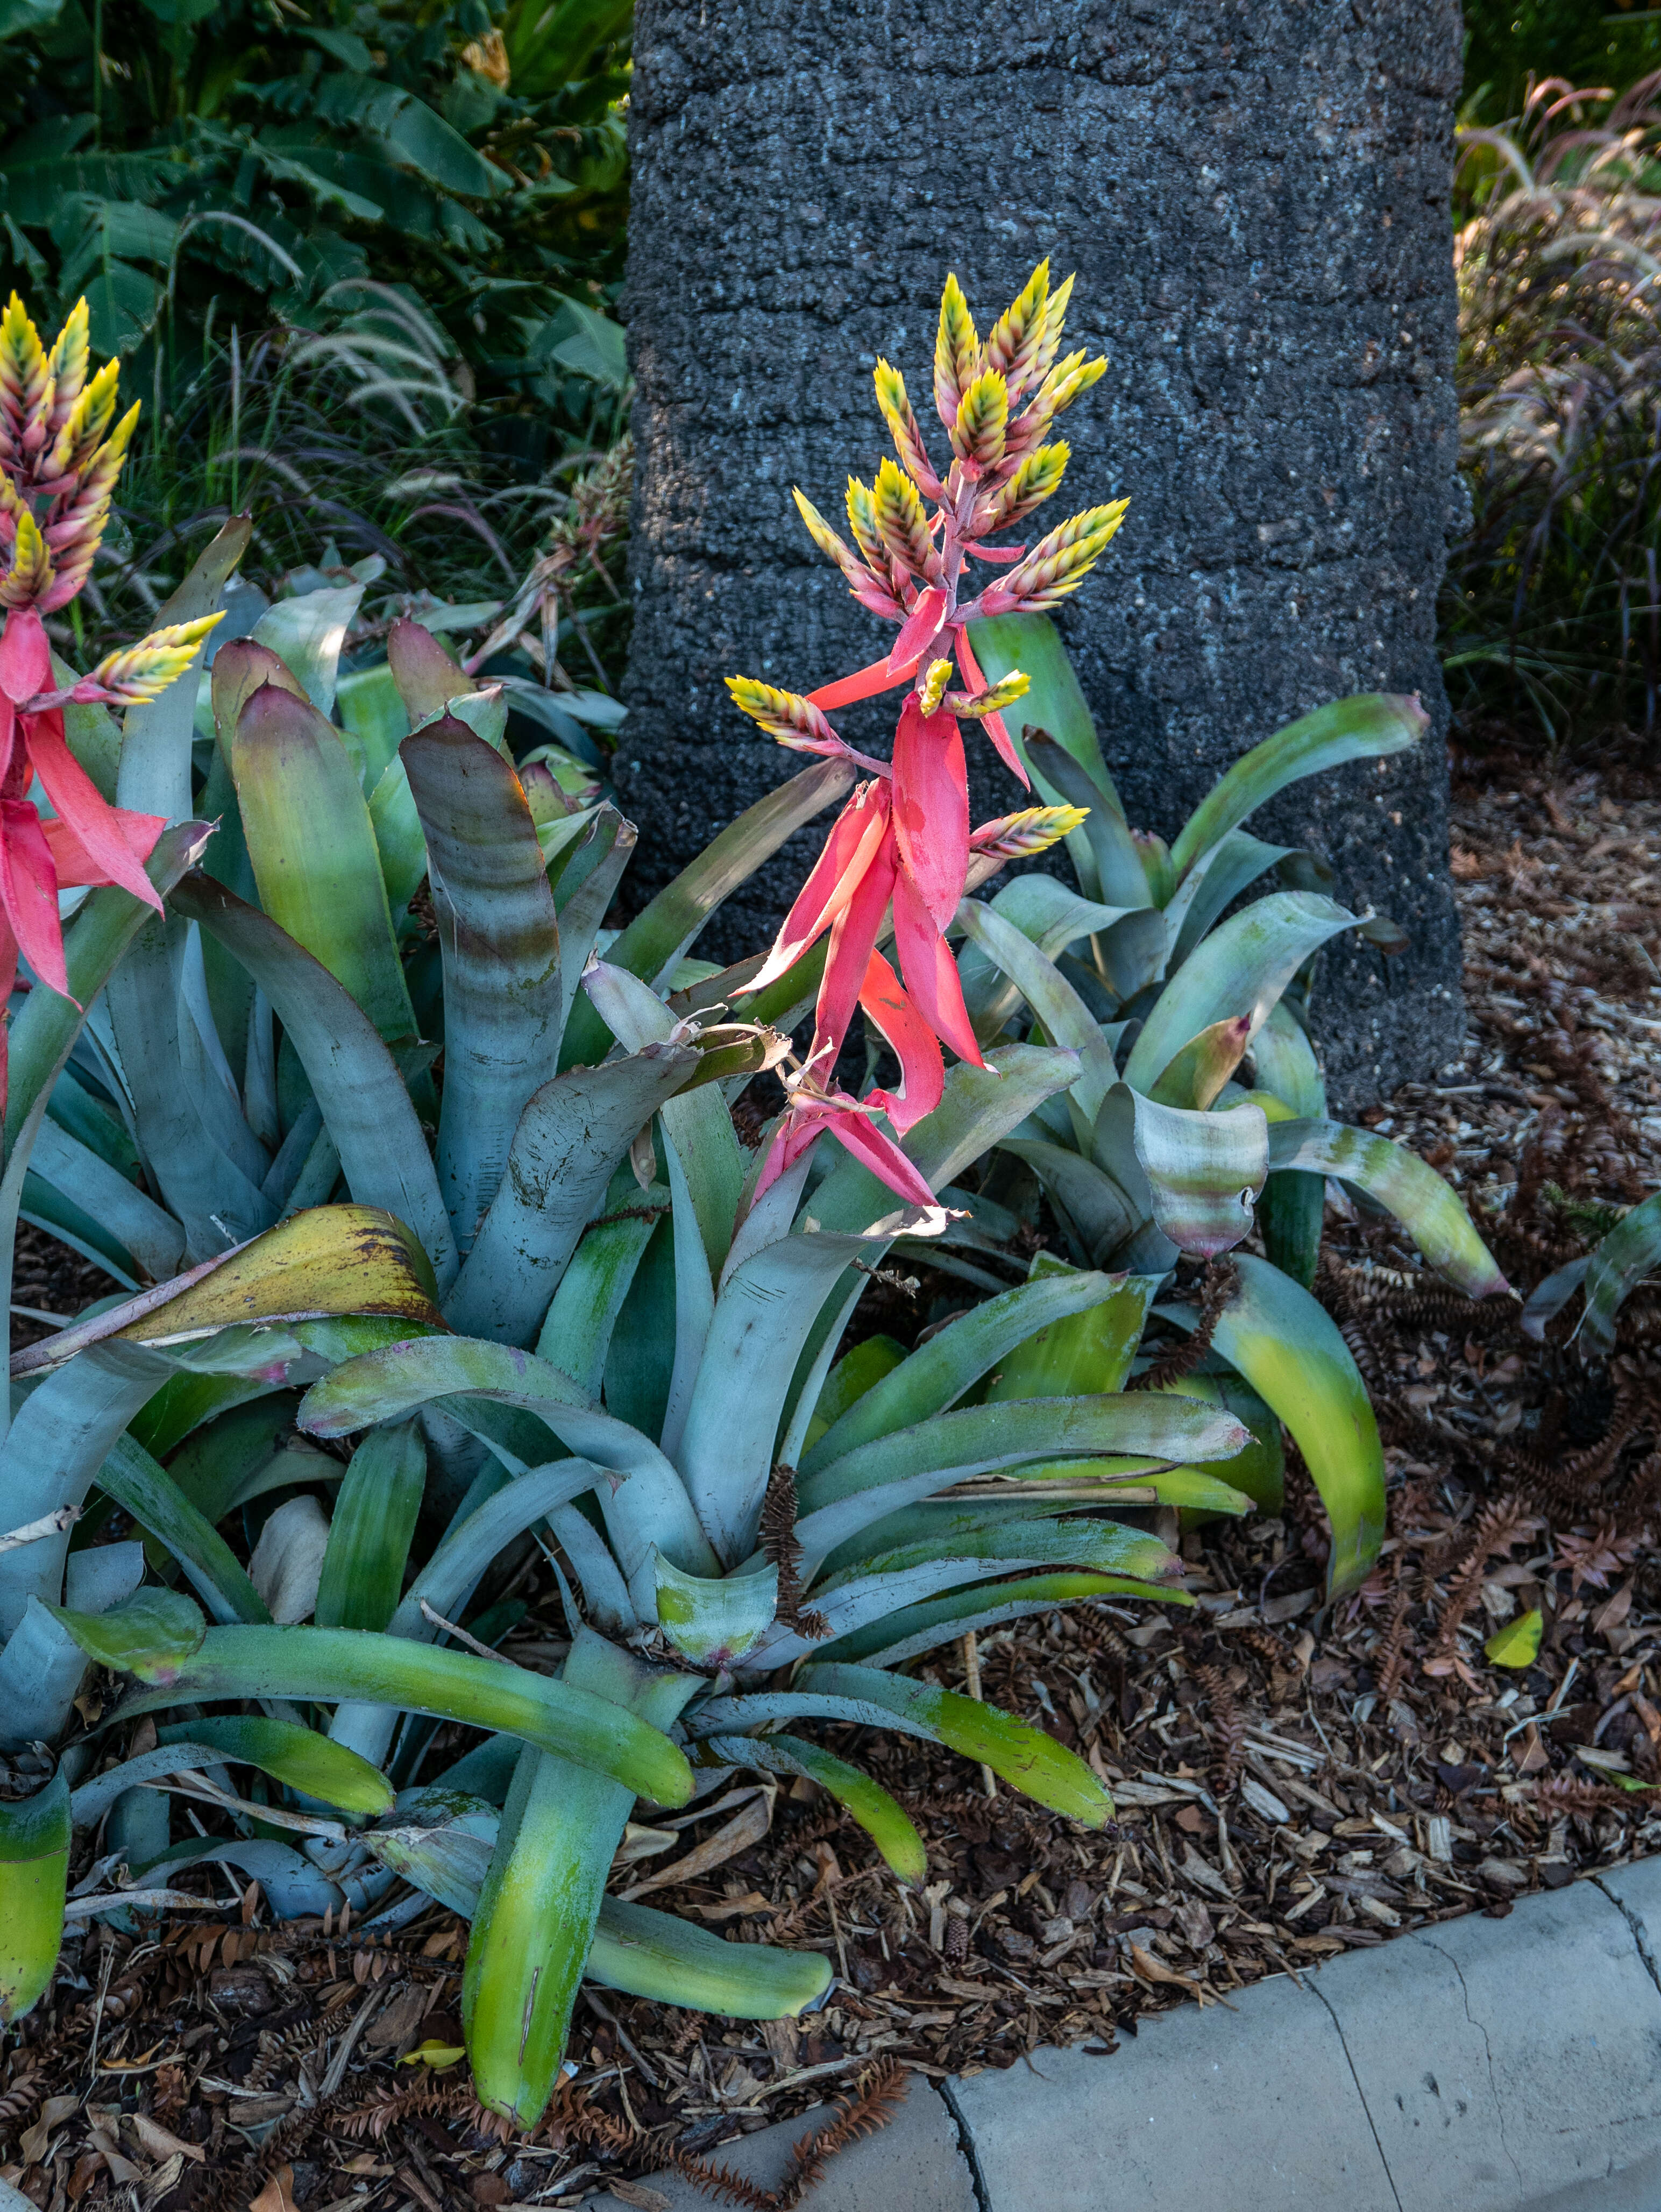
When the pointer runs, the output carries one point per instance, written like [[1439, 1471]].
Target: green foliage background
[[358, 258], [1609, 42]]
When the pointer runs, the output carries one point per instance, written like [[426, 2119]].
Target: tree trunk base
[[1254, 195]]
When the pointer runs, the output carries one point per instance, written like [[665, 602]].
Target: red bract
[[903, 842], [59, 459], [88, 842]]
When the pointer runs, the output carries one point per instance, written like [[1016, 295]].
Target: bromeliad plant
[[556, 1348], [598, 1323], [1172, 1157], [1200, 1111]]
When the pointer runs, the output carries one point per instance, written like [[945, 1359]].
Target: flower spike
[[1035, 829], [956, 351], [896, 406], [795, 721], [1012, 348], [143, 671], [901, 852]]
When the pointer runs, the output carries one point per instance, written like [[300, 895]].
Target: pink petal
[[864, 683], [852, 845], [922, 1072], [116, 842], [994, 724], [14, 771], [28, 892], [995, 599], [931, 973], [25, 656], [998, 731], [75, 864], [8, 983], [853, 940], [794, 1134], [922, 625], [999, 556], [880, 1153], [931, 806]]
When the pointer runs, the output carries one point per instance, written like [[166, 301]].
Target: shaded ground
[[1288, 1786]]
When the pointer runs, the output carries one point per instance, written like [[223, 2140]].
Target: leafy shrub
[[234, 160], [357, 258]]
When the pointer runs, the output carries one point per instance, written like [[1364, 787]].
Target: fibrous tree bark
[[1254, 195]]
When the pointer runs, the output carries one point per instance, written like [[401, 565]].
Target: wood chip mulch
[[1291, 1784]]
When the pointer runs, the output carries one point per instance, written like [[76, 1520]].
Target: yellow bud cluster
[[68, 363], [1059, 563], [84, 424], [956, 351], [983, 420], [783, 714], [871, 586], [897, 508], [1035, 829], [862, 520], [1012, 347], [1063, 385], [142, 671], [30, 576], [932, 690], [1037, 477], [995, 699], [894, 402], [24, 382], [818, 529], [58, 454]]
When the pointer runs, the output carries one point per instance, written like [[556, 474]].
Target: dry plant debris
[[1290, 1784]]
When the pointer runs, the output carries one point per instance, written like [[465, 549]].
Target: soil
[[1291, 1782]]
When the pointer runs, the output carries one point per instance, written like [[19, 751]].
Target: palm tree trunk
[[1254, 195]]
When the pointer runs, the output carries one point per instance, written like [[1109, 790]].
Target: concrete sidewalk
[[1481, 2065]]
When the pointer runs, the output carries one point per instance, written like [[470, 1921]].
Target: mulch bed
[[1290, 1784]]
